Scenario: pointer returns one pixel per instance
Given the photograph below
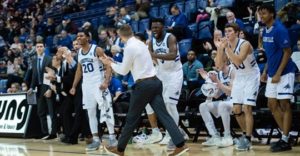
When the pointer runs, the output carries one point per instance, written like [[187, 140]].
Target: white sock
[[155, 130], [96, 138], [285, 138], [93, 122], [112, 136]]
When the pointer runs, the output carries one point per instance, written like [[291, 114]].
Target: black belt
[[147, 78]]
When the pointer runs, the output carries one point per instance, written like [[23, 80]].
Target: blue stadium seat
[[49, 41], [144, 25], [154, 12], [168, 20], [205, 30], [190, 6], [193, 27], [164, 10], [201, 3], [180, 6], [94, 22], [135, 26], [184, 46]]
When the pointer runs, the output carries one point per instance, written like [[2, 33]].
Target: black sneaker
[[281, 146]]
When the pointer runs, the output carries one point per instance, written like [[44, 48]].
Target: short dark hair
[[141, 36], [269, 8], [234, 26], [86, 32], [125, 30], [159, 20], [40, 42]]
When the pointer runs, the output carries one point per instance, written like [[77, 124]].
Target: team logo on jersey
[[268, 39], [161, 51], [86, 60]]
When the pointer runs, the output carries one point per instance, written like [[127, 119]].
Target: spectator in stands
[[87, 26], [142, 9], [23, 35], [24, 87], [4, 31], [298, 46], [224, 3], [3, 70], [294, 31], [190, 68], [64, 39], [104, 42], [14, 88], [231, 19], [202, 15], [67, 25], [179, 25], [29, 55], [114, 38], [123, 18], [116, 52], [41, 25], [111, 14], [115, 87], [50, 27]]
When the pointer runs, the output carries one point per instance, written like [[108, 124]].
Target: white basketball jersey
[[226, 79], [92, 67], [163, 48], [249, 65]]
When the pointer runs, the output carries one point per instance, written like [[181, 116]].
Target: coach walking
[[147, 89]]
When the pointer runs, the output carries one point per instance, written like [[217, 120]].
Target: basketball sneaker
[[165, 140], [212, 141], [93, 146], [244, 144], [153, 138], [225, 142], [140, 138]]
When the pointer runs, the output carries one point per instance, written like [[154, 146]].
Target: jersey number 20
[[88, 67]]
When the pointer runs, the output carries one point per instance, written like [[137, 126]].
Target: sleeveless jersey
[[92, 67], [249, 65], [226, 79], [163, 48]]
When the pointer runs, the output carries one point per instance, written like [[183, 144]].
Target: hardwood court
[[35, 147]]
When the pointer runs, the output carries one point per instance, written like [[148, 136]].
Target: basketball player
[[94, 85], [223, 108], [279, 73], [246, 82], [147, 89], [164, 49]]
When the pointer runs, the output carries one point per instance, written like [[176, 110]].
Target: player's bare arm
[[245, 50], [172, 42], [77, 78], [108, 70]]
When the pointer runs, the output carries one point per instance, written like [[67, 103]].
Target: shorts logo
[[255, 93], [287, 86]]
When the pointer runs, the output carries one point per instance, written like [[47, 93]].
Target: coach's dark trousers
[[144, 92]]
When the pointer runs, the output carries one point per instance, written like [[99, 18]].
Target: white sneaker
[[154, 138], [225, 142], [165, 140], [140, 138], [213, 141]]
